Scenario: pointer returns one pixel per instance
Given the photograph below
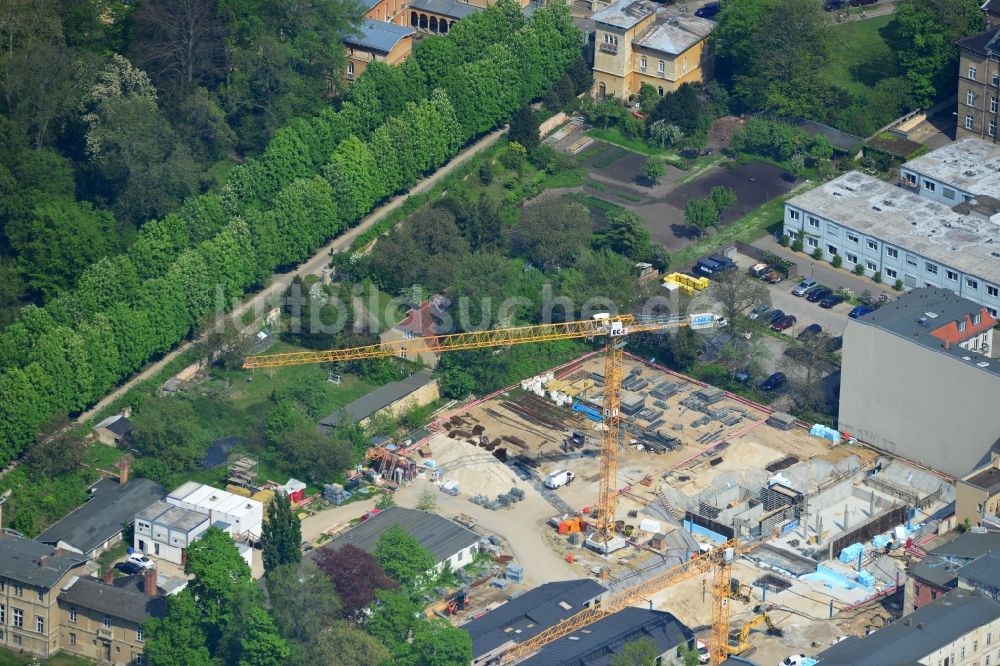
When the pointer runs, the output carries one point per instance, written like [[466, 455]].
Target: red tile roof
[[950, 334]]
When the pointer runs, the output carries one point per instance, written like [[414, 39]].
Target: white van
[[558, 479]]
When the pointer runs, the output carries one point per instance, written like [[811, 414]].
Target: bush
[[859, 269], [898, 286], [837, 261], [877, 278], [486, 172], [784, 240], [817, 253], [797, 245]]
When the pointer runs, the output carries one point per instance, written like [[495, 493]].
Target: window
[[659, 89], [350, 69], [140, 659], [870, 265], [3, 585], [812, 242], [17, 590], [853, 258], [975, 646], [972, 73], [72, 615], [40, 624], [72, 639], [832, 249], [963, 652], [642, 62], [933, 597], [952, 275], [929, 185], [989, 639], [18, 617], [891, 273], [139, 636], [910, 260], [931, 268], [872, 245], [992, 131], [996, 79], [969, 121], [911, 178], [3, 615], [948, 193], [813, 222], [971, 284], [892, 252], [661, 67], [992, 311], [106, 621], [17, 640], [992, 291], [852, 237], [832, 230], [993, 104], [970, 98], [793, 215]]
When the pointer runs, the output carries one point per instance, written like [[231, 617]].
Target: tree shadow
[[685, 231], [880, 66]]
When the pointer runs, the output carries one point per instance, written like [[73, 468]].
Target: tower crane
[[615, 330]]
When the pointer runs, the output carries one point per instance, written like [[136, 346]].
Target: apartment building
[[979, 83], [31, 575], [641, 41], [903, 236], [977, 496], [917, 381], [964, 171]]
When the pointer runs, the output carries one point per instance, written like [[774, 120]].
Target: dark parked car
[[810, 332], [130, 568], [834, 5], [818, 294], [784, 323], [862, 3], [708, 11], [775, 381], [859, 311], [831, 301], [775, 316], [835, 344]]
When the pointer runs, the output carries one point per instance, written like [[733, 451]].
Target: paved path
[[280, 281]]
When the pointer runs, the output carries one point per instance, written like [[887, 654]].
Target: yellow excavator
[[741, 591], [738, 640]]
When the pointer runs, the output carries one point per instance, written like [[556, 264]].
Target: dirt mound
[[476, 470]]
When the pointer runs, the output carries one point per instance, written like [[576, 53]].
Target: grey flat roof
[[380, 398], [970, 546], [971, 164], [448, 8], [988, 480], [674, 33], [529, 614], [126, 603], [910, 221], [378, 35], [597, 644], [938, 308], [171, 516], [984, 570], [625, 14], [101, 516], [442, 537], [21, 560], [936, 570], [930, 628]]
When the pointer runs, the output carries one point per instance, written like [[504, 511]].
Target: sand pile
[[476, 470]]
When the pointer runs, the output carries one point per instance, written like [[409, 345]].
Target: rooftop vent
[[983, 364], [922, 321], [931, 315], [966, 358], [877, 208], [564, 605]]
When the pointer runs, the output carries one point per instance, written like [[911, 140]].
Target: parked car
[[708, 11], [831, 301], [773, 277], [784, 323], [810, 332], [707, 267], [793, 660], [835, 343], [834, 5], [859, 311], [704, 656], [758, 310], [818, 294], [862, 3], [130, 568], [559, 479], [774, 382], [759, 270], [775, 316], [803, 287], [742, 377], [141, 560]]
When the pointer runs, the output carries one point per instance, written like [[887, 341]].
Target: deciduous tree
[[357, 577], [403, 558]]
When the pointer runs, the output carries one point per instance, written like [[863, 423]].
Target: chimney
[[109, 576], [149, 582], [43, 560], [123, 471]]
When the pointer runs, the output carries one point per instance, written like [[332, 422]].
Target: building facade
[[377, 41], [979, 85], [908, 386], [640, 41], [902, 236], [977, 496], [166, 531]]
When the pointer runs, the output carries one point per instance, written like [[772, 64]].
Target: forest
[[316, 176]]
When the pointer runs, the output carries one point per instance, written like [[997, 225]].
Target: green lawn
[[859, 46], [615, 137], [748, 228]]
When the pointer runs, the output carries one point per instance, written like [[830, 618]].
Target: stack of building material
[[710, 394], [664, 390], [514, 573], [781, 421], [335, 494]]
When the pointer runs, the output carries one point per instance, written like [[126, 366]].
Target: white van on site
[[559, 479]]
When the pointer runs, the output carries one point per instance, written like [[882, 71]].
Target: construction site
[[831, 521]]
